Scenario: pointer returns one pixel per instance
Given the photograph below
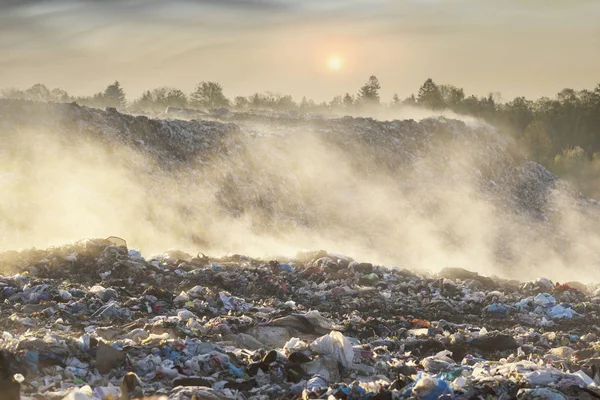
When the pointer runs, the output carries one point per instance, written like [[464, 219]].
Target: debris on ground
[[96, 320]]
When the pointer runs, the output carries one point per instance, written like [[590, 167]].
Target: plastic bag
[[559, 311], [316, 383], [335, 345], [497, 310], [428, 387], [544, 300]]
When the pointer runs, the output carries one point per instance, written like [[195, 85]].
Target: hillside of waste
[[429, 194]]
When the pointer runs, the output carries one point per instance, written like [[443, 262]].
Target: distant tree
[[240, 102], [348, 100], [471, 105], [573, 162], [307, 104], [13, 93], [410, 100], [337, 102], [285, 102], [452, 97], [369, 92], [519, 114], [396, 100], [157, 100], [488, 107], [175, 98], [60, 96], [146, 102], [98, 100], [576, 165], [38, 92], [159, 96], [256, 100], [575, 155], [537, 141], [113, 96], [209, 95], [268, 100], [430, 95]]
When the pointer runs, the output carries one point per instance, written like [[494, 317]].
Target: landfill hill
[[97, 319], [426, 194]]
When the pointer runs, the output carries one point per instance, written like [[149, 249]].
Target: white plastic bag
[[335, 345]]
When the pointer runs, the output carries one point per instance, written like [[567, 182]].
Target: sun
[[335, 63]]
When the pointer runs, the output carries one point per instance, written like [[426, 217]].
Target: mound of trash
[[450, 149], [97, 320]]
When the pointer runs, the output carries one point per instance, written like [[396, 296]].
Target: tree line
[[206, 95], [562, 132]]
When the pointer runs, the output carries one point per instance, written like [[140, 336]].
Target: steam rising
[[426, 194]]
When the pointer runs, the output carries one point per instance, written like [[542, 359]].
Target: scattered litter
[[232, 331]]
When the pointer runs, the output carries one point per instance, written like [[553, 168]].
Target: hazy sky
[[516, 47]]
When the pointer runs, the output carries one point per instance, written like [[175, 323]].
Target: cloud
[[277, 44], [137, 5]]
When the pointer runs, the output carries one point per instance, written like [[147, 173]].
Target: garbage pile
[[97, 320]]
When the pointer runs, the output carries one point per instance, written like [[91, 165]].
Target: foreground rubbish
[[96, 320]]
